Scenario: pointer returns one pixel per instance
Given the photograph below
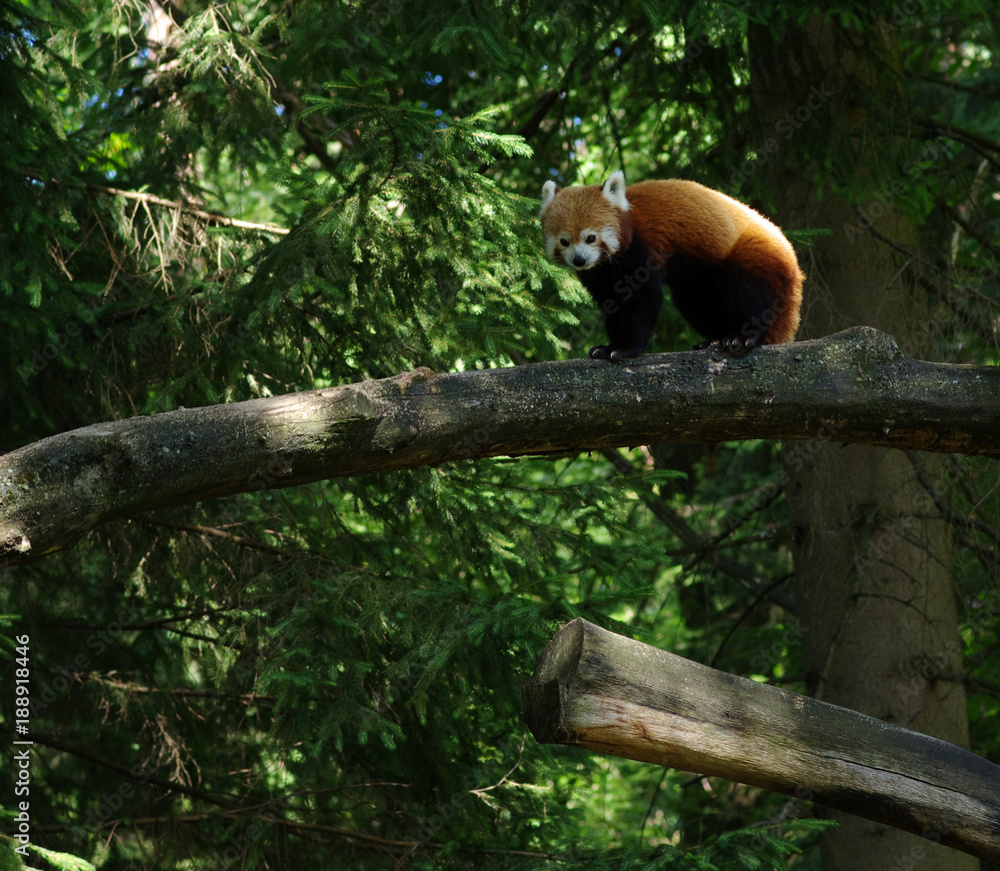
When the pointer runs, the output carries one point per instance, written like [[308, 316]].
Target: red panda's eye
[[564, 243], [591, 239]]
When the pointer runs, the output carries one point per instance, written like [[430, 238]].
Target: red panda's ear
[[614, 190], [549, 190]]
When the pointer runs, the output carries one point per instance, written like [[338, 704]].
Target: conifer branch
[[188, 209], [148, 199]]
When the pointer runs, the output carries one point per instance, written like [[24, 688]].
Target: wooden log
[[854, 386], [601, 691]]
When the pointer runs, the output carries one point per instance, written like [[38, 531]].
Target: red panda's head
[[584, 226]]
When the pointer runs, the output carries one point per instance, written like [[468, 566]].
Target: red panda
[[732, 274]]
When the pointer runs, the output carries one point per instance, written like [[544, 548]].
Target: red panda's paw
[[607, 352], [622, 354], [736, 346]]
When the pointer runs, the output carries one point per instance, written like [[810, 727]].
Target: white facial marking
[[582, 256], [609, 237], [585, 251]]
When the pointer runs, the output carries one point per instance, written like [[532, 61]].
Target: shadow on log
[[601, 691]]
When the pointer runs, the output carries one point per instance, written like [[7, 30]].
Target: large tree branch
[[594, 689], [852, 387]]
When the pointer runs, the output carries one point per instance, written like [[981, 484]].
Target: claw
[[737, 346], [621, 354], [606, 352]]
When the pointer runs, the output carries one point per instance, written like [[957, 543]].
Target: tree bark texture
[[872, 552], [854, 386], [594, 689]]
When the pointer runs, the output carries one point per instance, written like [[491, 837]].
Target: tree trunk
[[873, 554]]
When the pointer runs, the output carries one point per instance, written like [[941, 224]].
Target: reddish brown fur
[[677, 215], [684, 217]]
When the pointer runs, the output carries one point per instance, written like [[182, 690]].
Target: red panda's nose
[[579, 260]]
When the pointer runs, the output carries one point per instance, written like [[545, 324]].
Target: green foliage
[[748, 849], [62, 861], [330, 676]]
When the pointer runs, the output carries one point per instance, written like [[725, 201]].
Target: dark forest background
[[210, 202]]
